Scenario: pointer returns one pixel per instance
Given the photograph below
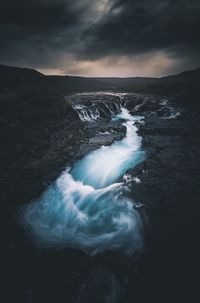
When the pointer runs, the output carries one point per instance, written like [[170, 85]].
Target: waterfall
[[92, 111], [86, 207]]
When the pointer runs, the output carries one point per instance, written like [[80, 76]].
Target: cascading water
[[86, 207], [98, 110], [86, 114], [105, 165]]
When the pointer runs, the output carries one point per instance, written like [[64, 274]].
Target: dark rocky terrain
[[169, 191], [41, 134]]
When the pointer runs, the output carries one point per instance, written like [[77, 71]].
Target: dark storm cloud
[[26, 22], [39, 30], [141, 26], [56, 33]]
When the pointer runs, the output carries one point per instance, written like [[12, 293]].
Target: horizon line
[[96, 77]]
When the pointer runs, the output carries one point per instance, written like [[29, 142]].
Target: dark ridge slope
[[183, 86], [19, 72], [23, 79]]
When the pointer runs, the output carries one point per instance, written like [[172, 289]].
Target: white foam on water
[[86, 207], [78, 216], [105, 165]]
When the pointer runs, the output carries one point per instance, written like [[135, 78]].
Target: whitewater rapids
[[86, 207]]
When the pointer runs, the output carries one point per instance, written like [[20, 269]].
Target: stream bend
[[86, 207]]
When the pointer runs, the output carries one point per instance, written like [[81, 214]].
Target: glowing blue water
[[105, 165], [84, 208]]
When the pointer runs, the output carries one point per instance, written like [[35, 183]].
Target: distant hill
[[188, 75], [11, 72], [16, 78], [184, 85]]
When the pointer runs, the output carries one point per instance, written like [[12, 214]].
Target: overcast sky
[[101, 37]]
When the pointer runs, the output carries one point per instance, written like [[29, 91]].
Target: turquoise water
[[86, 207]]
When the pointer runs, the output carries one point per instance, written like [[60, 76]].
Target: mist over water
[[86, 208]]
